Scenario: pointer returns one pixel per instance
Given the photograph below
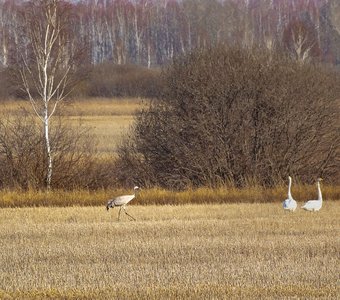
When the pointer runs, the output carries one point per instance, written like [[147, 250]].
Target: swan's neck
[[289, 187], [319, 192]]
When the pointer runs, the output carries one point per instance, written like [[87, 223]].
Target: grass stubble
[[217, 251]]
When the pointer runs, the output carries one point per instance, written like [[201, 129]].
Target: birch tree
[[301, 41], [46, 72]]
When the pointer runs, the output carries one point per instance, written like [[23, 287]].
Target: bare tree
[[23, 158], [230, 115], [46, 68], [301, 41]]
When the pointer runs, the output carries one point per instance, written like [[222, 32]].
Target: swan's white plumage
[[289, 204], [314, 205]]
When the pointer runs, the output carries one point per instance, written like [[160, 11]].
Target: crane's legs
[[119, 213], [123, 207], [128, 214]]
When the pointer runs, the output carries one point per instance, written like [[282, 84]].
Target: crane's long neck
[[319, 192], [289, 188]]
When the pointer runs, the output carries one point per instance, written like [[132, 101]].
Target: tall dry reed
[[16, 198]]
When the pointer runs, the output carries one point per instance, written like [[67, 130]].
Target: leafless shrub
[[237, 116], [22, 159], [4, 86]]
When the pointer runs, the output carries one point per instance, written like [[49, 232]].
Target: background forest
[[151, 33]]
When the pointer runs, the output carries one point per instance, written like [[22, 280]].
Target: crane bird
[[122, 201], [289, 204], [314, 205]]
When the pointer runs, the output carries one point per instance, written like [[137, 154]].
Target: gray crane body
[[122, 201]]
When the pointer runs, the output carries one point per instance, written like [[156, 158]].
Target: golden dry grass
[[156, 196], [106, 131], [82, 107], [252, 251], [107, 119], [103, 107]]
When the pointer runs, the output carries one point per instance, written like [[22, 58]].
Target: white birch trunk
[[48, 153], [50, 72], [149, 55]]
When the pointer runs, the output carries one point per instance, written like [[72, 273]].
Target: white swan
[[289, 204], [314, 205]]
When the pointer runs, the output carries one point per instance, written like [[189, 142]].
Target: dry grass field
[[107, 119], [252, 251]]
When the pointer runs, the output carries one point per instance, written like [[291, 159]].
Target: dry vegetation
[[107, 119], [171, 252], [237, 115], [82, 107], [156, 196]]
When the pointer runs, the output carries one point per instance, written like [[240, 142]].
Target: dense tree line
[[114, 35], [151, 33]]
